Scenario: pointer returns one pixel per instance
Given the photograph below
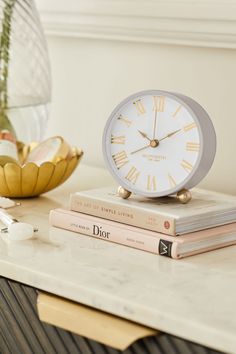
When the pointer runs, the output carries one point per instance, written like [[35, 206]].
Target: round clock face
[[153, 143]]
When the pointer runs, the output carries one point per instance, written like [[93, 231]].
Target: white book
[[206, 209]]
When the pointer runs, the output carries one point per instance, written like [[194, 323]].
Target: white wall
[[95, 64]]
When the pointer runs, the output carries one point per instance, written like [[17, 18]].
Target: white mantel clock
[[159, 143]]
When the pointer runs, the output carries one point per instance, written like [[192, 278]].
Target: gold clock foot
[[184, 196], [123, 193]]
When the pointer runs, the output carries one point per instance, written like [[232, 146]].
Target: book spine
[[113, 232], [124, 214]]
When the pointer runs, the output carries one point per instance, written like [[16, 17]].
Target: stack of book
[[161, 226]]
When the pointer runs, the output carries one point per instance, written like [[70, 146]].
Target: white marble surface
[[194, 298]]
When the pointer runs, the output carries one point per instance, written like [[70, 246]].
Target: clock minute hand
[[144, 135], [154, 125], [170, 134]]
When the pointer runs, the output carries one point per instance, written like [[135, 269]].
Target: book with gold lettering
[[166, 215], [149, 241]]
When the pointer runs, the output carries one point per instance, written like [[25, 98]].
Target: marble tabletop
[[193, 298]]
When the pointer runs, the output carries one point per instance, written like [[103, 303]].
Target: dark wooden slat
[[66, 337], [50, 331], [14, 330], [139, 348], [111, 350], [5, 348], [82, 344], [6, 341], [31, 299], [181, 345], [14, 299], [151, 346], [41, 341], [196, 349], [97, 347], [166, 345]]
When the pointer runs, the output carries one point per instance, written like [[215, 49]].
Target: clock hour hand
[[170, 134], [144, 135], [153, 143]]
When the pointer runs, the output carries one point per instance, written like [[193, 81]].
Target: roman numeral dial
[[154, 142], [172, 181], [192, 147], [132, 175], [120, 159], [125, 120], [118, 139], [176, 111], [187, 166], [158, 103], [140, 107], [190, 126], [151, 183]]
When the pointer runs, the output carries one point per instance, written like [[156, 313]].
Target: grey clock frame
[[207, 143]]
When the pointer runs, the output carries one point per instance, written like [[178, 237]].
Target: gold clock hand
[[144, 135], [142, 148], [154, 126], [170, 134], [153, 144]]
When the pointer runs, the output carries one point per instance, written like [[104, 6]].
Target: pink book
[[145, 240]]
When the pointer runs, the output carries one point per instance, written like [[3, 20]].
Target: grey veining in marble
[[193, 298]]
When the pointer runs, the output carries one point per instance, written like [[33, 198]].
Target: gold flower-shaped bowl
[[31, 180]]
